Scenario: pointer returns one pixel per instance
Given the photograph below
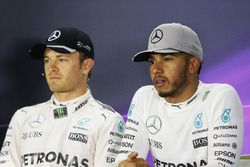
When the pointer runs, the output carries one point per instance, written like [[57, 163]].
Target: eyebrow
[[169, 54], [162, 54], [57, 56]]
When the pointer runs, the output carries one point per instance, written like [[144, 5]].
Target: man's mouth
[[159, 81], [54, 77]]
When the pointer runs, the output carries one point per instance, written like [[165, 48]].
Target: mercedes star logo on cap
[[156, 36], [54, 35], [153, 124]]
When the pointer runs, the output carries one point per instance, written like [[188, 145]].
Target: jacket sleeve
[[135, 135], [9, 155], [109, 141], [226, 130]]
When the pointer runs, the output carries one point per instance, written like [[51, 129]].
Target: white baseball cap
[[171, 38]]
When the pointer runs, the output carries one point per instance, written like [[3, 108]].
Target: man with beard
[[72, 128], [181, 120]]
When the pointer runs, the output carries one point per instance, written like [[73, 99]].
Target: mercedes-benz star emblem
[[156, 36], [153, 124], [37, 120], [54, 35]]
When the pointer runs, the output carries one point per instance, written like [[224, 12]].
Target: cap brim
[[144, 55], [37, 51]]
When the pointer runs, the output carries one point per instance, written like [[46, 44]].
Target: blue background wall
[[119, 29]]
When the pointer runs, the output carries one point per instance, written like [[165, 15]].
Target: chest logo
[[60, 112], [131, 110], [198, 121], [121, 126], [226, 115], [37, 120], [83, 121], [153, 124]]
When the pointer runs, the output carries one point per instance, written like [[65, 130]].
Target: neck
[[184, 93], [65, 96]]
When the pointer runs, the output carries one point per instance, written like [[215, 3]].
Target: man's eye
[[62, 60], [46, 60], [151, 61], [166, 59]]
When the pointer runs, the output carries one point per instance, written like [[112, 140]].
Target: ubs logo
[[156, 36], [33, 134], [153, 124]]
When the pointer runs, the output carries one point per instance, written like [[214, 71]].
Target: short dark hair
[[82, 58]]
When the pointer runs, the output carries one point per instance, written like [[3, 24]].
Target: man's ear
[[87, 65], [194, 65]]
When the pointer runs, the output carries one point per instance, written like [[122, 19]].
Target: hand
[[133, 161]]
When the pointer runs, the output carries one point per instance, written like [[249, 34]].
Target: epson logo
[[225, 153], [78, 137], [110, 159], [201, 142], [127, 144]]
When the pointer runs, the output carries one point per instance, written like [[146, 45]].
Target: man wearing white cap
[[181, 120]]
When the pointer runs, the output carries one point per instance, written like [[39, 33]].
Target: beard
[[177, 86]]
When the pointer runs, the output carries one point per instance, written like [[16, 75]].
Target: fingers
[[132, 156], [133, 161], [127, 163], [139, 162], [121, 164]]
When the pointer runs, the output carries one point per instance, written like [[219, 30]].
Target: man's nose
[[157, 68], [53, 66]]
